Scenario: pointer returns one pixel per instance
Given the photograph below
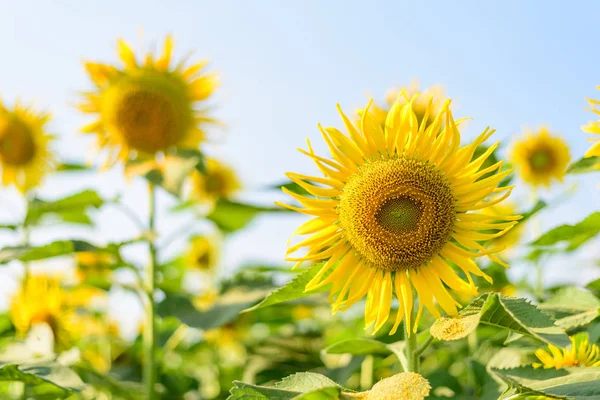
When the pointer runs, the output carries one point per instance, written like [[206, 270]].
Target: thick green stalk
[[149, 288], [411, 347]]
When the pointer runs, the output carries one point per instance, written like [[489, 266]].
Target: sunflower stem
[[411, 347], [366, 373], [149, 288], [424, 346]]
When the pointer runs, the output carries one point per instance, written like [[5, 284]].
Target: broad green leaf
[[517, 315], [72, 208], [46, 378], [571, 383], [584, 165], [581, 307], [358, 347], [120, 389], [363, 346], [572, 235], [294, 289], [246, 391], [54, 249], [225, 310], [326, 393], [512, 357], [305, 382], [232, 216], [594, 286]]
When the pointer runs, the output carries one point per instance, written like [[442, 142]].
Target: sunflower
[[396, 208], [25, 157], [593, 127], [147, 107], [541, 157], [92, 265], [219, 182], [514, 236], [580, 354], [41, 299], [203, 254], [434, 94]]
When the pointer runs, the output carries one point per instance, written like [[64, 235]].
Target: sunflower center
[[541, 160], [148, 115], [398, 213], [203, 260], [16, 142]]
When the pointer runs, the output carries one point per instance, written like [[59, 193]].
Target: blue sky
[[284, 66]]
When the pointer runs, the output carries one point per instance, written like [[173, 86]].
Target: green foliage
[[46, 380], [584, 165], [572, 383], [231, 216], [305, 386], [226, 309], [54, 249], [71, 209], [294, 289], [517, 315], [573, 236]]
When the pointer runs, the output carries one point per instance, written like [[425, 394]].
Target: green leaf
[[517, 315], [300, 386], [294, 289], [225, 310], [73, 167], [305, 382], [327, 393], [292, 187], [358, 347], [594, 286], [581, 307], [571, 383], [246, 391], [72, 208], [232, 216], [46, 378], [119, 389], [584, 165], [539, 206], [572, 235], [54, 249], [9, 227]]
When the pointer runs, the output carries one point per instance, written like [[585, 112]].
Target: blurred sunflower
[[25, 156], [227, 340], [513, 237], [147, 107], [580, 354], [41, 299], [92, 265], [435, 94], [202, 254], [541, 157], [593, 127], [219, 182], [396, 208]]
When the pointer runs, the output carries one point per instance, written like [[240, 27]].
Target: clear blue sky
[[283, 67]]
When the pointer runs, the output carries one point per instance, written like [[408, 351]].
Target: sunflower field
[[153, 246]]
